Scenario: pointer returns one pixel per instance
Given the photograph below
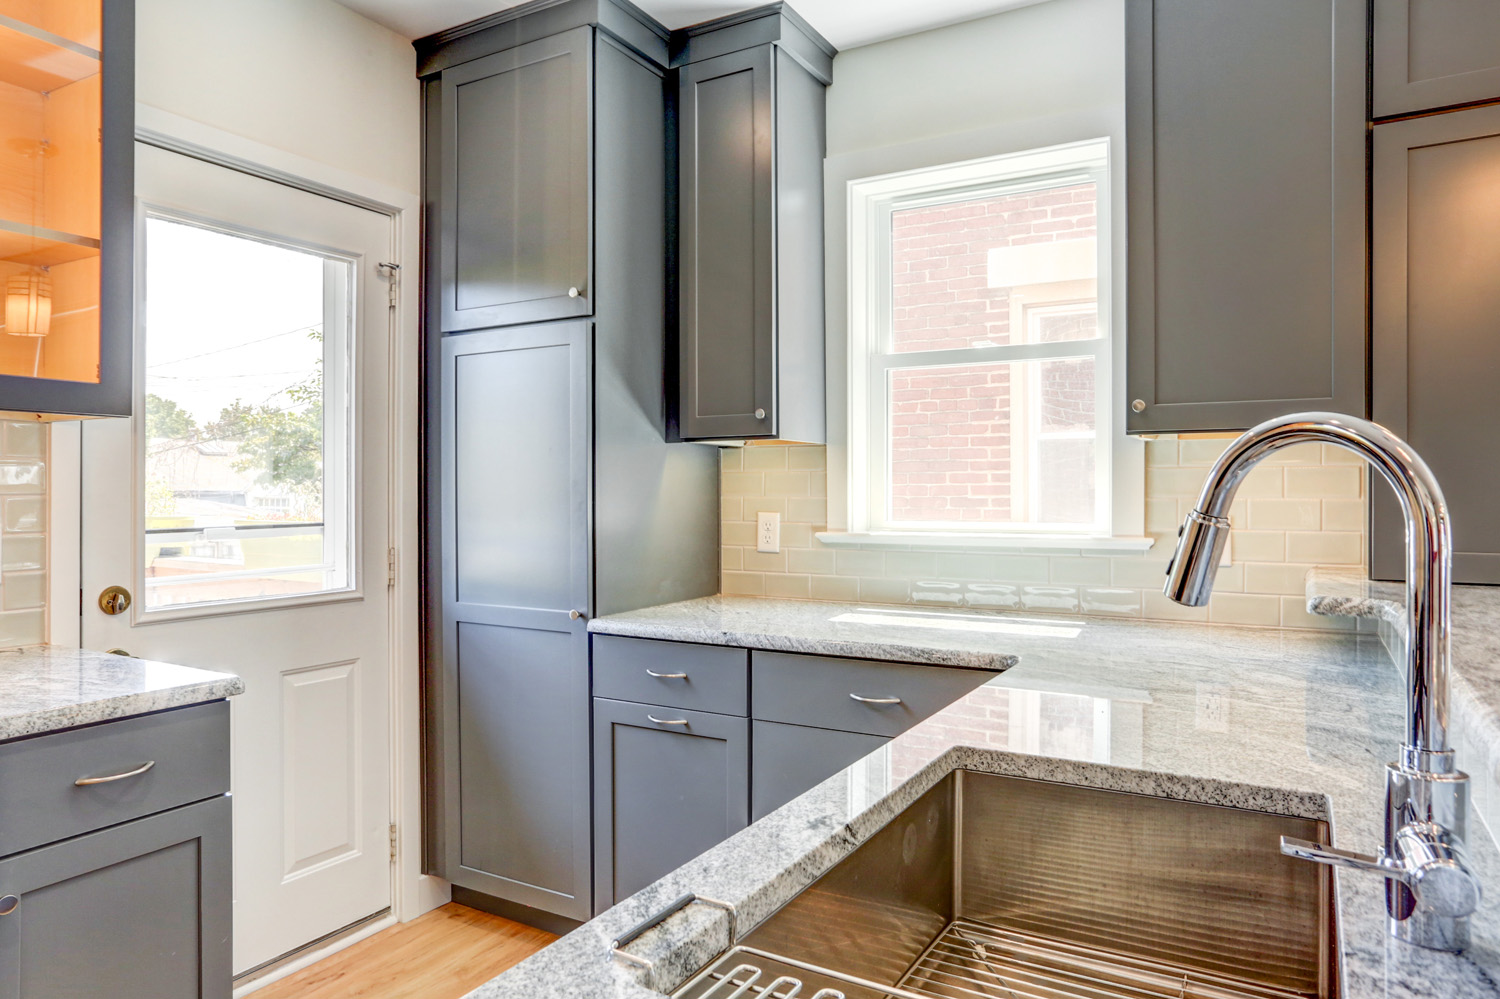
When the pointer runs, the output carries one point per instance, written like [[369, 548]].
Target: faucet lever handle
[[1304, 849]]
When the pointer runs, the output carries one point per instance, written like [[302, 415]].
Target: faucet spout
[[1429, 546], [1426, 796]]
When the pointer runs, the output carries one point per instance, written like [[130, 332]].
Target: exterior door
[[512, 684], [244, 510]]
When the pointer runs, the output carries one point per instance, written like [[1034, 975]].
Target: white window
[[980, 351]]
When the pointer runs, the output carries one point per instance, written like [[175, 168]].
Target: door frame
[[412, 892]]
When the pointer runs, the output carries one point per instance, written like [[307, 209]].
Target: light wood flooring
[[440, 955]]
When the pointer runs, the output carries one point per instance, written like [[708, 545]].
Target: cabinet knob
[[1139, 406], [9, 904], [572, 292], [760, 414], [575, 615]]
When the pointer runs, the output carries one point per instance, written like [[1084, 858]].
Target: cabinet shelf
[[37, 246], [40, 61]]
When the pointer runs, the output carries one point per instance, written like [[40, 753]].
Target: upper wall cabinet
[[67, 217], [1435, 54], [515, 230], [1436, 234], [1246, 161], [751, 144]]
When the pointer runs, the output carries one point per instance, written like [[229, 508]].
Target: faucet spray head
[[1200, 548]]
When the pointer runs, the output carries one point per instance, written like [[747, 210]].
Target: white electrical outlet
[[1212, 714], [768, 532]]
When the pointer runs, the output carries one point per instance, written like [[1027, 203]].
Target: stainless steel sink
[[1008, 888]]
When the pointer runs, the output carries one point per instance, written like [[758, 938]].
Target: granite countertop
[[1291, 722], [825, 628], [44, 688]]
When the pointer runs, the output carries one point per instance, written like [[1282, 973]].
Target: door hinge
[[391, 272], [394, 840], [390, 567]]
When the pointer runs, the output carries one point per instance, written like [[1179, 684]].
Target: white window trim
[[1032, 147]]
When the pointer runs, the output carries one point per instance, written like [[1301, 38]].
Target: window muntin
[[980, 349], [247, 417]]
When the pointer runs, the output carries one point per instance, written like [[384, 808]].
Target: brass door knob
[[114, 600]]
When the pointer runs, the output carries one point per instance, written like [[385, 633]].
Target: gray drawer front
[[790, 759], [715, 674], [42, 804], [815, 690]]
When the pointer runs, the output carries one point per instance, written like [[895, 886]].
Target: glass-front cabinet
[[66, 215]]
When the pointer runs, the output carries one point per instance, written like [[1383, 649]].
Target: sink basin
[[1003, 887]]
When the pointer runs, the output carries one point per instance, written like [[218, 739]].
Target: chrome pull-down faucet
[[1431, 889]]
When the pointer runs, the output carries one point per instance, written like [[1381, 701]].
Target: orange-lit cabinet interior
[[66, 213]]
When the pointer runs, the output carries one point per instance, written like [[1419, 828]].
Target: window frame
[[871, 203]]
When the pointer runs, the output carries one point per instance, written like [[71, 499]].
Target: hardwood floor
[[441, 955]]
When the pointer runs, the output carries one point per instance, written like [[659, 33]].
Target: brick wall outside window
[[954, 451]]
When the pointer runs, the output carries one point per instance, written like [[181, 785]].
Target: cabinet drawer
[[823, 692], [790, 759], [188, 750], [674, 674]]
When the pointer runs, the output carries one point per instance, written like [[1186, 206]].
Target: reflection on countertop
[[1291, 722]]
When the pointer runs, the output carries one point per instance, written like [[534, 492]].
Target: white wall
[[306, 76], [1054, 58]]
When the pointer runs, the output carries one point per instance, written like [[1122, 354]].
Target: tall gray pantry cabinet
[[552, 492]]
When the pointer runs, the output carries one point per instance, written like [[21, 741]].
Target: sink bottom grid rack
[[973, 960]]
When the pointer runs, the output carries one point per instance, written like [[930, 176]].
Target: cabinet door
[[1435, 53], [1246, 182], [727, 296], [513, 684], [514, 195], [67, 225], [1435, 294], [669, 784], [789, 759], [137, 911]]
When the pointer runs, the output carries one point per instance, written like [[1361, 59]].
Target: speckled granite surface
[[1291, 722], [44, 688], [825, 628]]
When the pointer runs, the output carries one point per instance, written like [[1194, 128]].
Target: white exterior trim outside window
[[1061, 315]]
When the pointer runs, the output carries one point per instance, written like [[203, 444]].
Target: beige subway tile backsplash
[[1303, 508]]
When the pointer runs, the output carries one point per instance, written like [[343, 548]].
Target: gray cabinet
[[790, 759], [1246, 193], [1433, 54], [669, 784], [552, 491], [751, 143], [515, 553], [1435, 334], [516, 182], [136, 911]]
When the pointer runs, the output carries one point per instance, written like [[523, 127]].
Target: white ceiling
[[845, 23]]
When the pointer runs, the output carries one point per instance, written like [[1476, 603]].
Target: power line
[[237, 346]]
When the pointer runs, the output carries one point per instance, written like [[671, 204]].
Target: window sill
[[987, 542]]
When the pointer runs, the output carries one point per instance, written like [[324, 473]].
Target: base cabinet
[[790, 759], [669, 784], [135, 911]]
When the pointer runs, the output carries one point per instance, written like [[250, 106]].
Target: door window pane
[[246, 417]]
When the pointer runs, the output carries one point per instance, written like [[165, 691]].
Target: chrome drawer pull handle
[[668, 721], [666, 676], [876, 700], [90, 781]]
